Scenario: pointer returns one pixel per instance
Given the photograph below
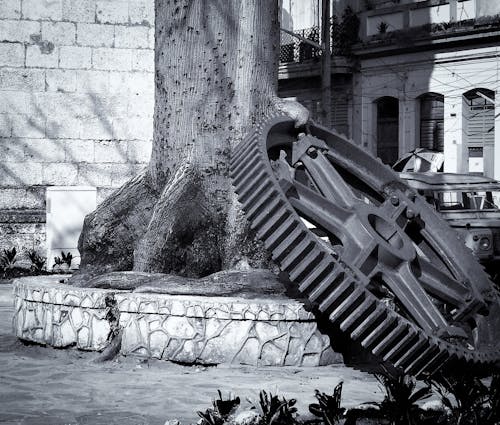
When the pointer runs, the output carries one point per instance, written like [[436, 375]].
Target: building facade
[[423, 74]]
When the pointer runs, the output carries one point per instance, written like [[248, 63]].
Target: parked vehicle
[[470, 204], [420, 160]]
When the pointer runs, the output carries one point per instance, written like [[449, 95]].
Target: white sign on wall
[[67, 207]]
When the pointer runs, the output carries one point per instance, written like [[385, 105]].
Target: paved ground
[[41, 385]]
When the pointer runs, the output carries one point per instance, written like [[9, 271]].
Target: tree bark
[[216, 76]]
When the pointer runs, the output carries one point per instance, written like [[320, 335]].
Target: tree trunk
[[216, 76]]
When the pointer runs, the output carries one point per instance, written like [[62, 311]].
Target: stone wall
[[272, 331], [76, 98]]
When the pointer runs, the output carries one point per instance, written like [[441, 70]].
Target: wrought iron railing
[[293, 49], [344, 33]]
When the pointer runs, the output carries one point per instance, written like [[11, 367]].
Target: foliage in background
[[466, 400], [8, 259], [329, 406], [382, 27], [348, 33], [469, 400], [37, 261], [399, 405], [220, 411], [11, 268], [66, 258], [273, 411]]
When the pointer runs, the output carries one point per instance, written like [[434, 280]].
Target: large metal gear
[[365, 249]]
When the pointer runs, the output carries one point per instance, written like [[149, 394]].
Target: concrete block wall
[[76, 98]]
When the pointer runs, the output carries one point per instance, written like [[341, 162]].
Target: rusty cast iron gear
[[365, 249]]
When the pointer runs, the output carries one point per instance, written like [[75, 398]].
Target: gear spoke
[[414, 299], [369, 252], [440, 284], [308, 153]]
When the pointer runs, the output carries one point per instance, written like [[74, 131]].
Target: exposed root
[[112, 350], [109, 233]]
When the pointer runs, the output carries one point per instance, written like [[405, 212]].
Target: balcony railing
[[293, 49], [344, 33]]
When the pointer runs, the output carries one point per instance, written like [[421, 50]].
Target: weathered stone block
[[42, 9], [28, 80], [143, 60], [93, 81], [142, 12], [112, 59], [16, 198], [15, 101], [95, 175], [28, 126], [38, 57], [5, 126], [95, 35], [131, 37], [60, 80], [78, 10], [63, 127], [80, 151], [28, 173], [19, 31], [10, 9], [96, 128], [112, 12], [64, 174], [75, 57], [59, 33], [11, 54], [11, 149]]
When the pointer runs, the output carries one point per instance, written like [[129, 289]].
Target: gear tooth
[[329, 279]]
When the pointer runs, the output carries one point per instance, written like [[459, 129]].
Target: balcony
[[415, 26], [300, 59]]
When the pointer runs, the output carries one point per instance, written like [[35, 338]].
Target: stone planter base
[[189, 329]]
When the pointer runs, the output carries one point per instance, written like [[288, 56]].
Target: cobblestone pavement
[[40, 385]]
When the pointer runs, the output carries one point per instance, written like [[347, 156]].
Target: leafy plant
[[328, 406], [400, 401], [209, 417], [466, 397], [37, 261], [274, 411], [493, 416], [382, 27], [8, 259], [220, 411], [66, 258], [58, 261], [348, 32]]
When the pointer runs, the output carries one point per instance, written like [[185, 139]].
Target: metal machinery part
[[366, 249]]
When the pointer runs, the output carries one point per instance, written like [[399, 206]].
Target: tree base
[[244, 284]]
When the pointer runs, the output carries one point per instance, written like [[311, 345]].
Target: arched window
[[432, 121], [478, 109], [387, 129]]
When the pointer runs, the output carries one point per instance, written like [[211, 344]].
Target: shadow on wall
[[72, 139]]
